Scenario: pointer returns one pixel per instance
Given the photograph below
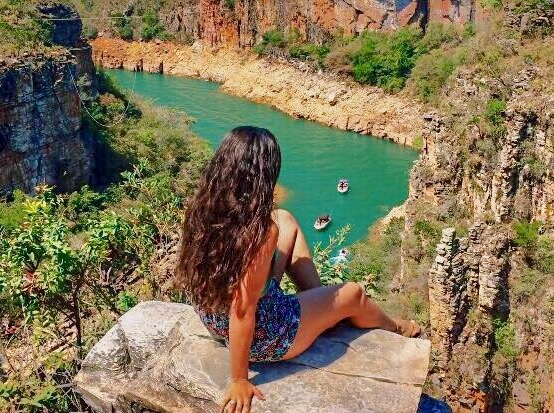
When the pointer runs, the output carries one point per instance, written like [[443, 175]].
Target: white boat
[[343, 186], [322, 221]]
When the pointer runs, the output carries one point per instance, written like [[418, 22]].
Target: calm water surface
[[314, 156]]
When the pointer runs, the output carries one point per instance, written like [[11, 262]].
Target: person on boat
[[235, 248], [341, 258]]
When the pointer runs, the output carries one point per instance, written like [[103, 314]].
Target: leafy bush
[[330, 273], [123, 26], [437, 34], [527, 234], [21, 29], [151, 27], [71, 263], [309, 51], [417, 143], [12, 213], [495, 111], [430, 74], [274, 38], [386, 60]]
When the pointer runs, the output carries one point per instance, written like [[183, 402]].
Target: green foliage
[[544, 256], [274, 38], [527, 285], [161, 136], [538, 249], [12, 213], [151, 27], [495, 111], [309, 51], [469, 30], [504, 358], [126, 301], [431, 73], [527, 234], [417, 143], [491, 4], [123, 26], [21, 29], [438, 34], [260, 49], [330, 273], [386, 60], [529, 157], [69, 262], [376, 259], [230, 4], [428, 235]]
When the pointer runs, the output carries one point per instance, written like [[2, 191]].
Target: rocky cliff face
[[243, 22], [41, 133], [475, 281]]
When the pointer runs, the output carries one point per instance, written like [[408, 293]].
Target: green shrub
[[260, 49], [12, 214], [274, 38], [544, 257], [417, 143], [491, 4], [230, 4], [126, 301], [309, 51], [437, 34], [527, 234], [386, 60], [151, 26], [495, 111], [123, 26], [431, 73]]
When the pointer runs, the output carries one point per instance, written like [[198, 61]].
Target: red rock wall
[[243, 22]]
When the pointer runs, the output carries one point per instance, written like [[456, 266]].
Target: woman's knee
[[353, 294]]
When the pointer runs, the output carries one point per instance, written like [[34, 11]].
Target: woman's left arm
[[242, 321]]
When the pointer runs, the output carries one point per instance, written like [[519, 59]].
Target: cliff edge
[[159, 357]]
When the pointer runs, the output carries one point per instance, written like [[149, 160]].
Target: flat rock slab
[[160, 358]]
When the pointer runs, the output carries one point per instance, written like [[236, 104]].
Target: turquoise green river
[[314, 156]]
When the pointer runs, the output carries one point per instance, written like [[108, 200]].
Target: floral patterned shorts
[[277, 320]]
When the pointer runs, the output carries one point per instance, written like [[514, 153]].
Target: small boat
[[322, 221], [343, 186]]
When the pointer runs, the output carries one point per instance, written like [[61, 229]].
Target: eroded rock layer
[[242, 22], [41, 134]]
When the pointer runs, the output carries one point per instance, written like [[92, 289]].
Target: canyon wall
[[476, 280], [242, 22], [295, 89], [41, 130]]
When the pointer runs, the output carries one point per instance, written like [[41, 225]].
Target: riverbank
[[295, 90]]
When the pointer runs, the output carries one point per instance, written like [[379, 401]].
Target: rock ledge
[[160, 358]]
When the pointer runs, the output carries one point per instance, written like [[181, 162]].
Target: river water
[[314, 157]]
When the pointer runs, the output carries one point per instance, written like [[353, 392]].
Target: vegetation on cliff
[[70, 264]]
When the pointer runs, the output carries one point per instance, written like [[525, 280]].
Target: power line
[[123, 115]]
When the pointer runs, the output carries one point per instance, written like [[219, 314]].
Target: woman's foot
[[407, 328]]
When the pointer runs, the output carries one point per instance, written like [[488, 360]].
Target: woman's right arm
[[242, 321]]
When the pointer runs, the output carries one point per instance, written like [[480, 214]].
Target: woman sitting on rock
[[235, 250]]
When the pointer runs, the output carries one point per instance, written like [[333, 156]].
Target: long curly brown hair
[[229, 217]]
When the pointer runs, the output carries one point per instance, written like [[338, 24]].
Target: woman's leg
[[324, 307], [294, 254]]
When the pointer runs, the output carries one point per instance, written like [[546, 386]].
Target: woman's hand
[[239, 397]]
